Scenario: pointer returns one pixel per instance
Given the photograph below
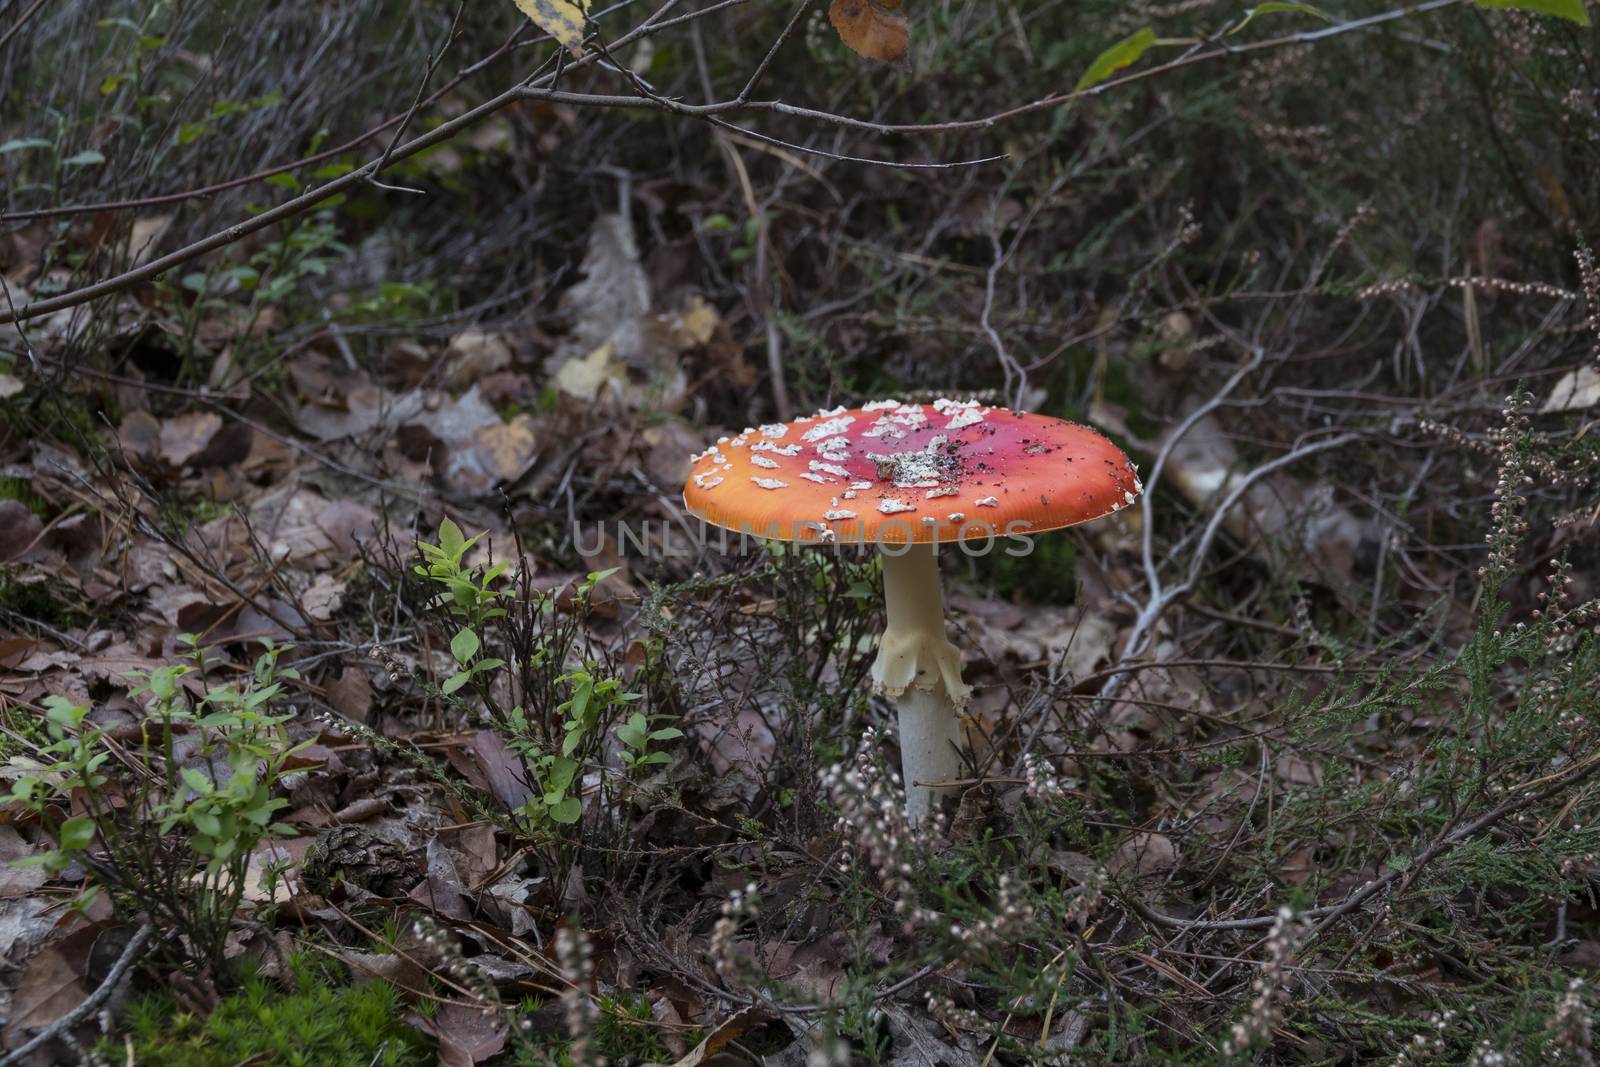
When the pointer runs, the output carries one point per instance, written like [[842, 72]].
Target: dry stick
[[762, 294], [780, 388], [1147, 502], [777, 45], [1044, 103], [1161, 599], [711, 112], [22, 20], [1016, 383], [91, 1003]]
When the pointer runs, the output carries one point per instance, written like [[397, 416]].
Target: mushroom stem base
[[920, 670], [930, 748]]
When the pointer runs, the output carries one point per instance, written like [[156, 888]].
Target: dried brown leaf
[[186, 436], [1576, 390], [466, 1035], [51, 985], [507, 449], [870, 32], [323, 597], [351, 694], [1144, 854], [441, 890], [140, 435], [19, 529], [730, 1029], [472, 355]]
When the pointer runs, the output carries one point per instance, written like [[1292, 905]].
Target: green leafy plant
[[170, 832], [469, 596], [569, 709], [592, 698], [636, 735]]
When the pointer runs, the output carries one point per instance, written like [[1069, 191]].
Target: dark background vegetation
[[1344, 691]]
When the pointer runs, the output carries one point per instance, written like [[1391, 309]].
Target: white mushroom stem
[[920, 670]]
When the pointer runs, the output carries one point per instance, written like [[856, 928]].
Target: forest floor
[[368, 696]]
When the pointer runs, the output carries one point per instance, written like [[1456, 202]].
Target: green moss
[[320, 1021], [181, 512], [21, 489], [37, 602], [625, 1031]]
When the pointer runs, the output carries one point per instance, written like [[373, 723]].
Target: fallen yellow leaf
[[561, 19]]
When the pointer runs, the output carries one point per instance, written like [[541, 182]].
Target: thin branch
[[91, 1004], [22, 20], [777, 46], [712, 111], [416, 103], [296, 206], [260, 175]]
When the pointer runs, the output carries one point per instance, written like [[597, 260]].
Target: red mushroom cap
[[892, 473]]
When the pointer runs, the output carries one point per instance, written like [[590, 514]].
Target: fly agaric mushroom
[[906, 478]]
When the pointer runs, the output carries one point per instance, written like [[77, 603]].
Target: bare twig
[[714, 112], [22, 20], [416, 103], [91, 1003]]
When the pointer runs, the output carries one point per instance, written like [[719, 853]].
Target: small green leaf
[[654, 758], [75, 834], [464, 592], [465, 646], [196, 781], [1571, 10], [596, 577], [568, 811], [21, 143], [456, 681], [450, 538], [87, 158], [1125, 52], [207, 823], [633, 732], [666, 734], [63, 712], [562, 772], [1273, 7]]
